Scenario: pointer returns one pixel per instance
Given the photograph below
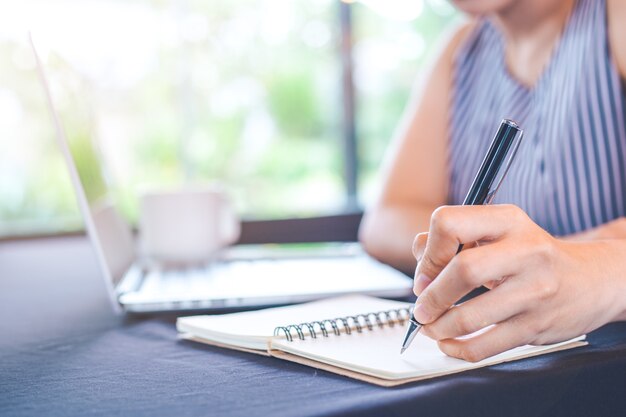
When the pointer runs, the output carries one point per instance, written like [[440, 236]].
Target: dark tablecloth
[[63, 352]]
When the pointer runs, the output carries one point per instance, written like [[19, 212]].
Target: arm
[[615, 229], [616, 21], [415, 174]]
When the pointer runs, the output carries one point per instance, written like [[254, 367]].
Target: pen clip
[[517, 140]]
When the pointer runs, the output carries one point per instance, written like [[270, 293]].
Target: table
[[63, 352]]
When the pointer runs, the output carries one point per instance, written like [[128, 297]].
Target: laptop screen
[[70, 107]]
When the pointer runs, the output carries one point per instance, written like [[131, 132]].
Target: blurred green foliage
[[294, 105]]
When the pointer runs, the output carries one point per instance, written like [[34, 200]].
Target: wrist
[[621, 291], [599, 269], [610, 262]]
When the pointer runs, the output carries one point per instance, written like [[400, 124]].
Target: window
[[248, 93]]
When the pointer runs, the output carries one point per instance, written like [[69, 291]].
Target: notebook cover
[[395, 382], [187, 336]]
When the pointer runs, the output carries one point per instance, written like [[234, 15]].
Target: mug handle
[[229, 225]]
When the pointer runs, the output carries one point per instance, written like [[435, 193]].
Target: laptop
[[241, 277]]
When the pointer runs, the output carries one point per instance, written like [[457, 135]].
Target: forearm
[[612, 236], [608, 260], [614, 257], [387, 233], [615, 229]]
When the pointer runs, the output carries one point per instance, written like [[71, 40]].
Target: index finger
[[451, 226], [467, 271]]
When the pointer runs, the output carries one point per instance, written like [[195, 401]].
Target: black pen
[[492, 171]]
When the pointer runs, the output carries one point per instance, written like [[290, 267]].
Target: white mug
[[186, 225]]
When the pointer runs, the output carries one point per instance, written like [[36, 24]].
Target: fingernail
[[420, 313], [421, 282]]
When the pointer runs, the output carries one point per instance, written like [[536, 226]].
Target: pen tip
[[402, 350]]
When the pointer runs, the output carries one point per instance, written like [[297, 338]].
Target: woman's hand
[[544, 290]]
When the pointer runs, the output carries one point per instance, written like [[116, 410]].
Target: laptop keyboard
[[267, 277]]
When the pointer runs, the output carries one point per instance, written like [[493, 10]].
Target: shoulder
[[439, 76], [434, 84], [456, 39], [616, 21]]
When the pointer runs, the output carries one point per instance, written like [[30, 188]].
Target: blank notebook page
[[253, 329], [377, 353]]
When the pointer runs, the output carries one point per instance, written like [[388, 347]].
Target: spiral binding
[[357, 322]]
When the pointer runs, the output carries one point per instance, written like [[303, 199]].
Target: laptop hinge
[[132, 280]]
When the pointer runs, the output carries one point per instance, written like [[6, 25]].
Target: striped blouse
[[570, 171]]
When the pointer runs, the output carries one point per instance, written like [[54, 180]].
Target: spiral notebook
[[356, 336]]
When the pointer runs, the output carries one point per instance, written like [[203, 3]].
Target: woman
[[555, 256]]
